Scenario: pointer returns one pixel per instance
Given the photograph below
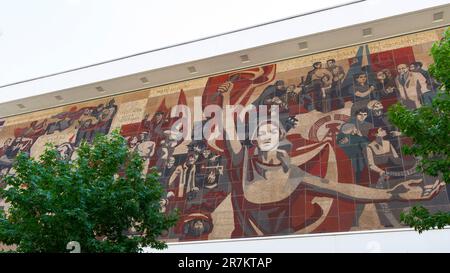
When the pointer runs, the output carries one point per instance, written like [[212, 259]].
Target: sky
[[39, 38]]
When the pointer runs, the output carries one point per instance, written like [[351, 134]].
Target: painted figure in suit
[[411, 86]]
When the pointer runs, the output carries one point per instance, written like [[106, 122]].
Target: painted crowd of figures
[[88, 121], [281, 190]]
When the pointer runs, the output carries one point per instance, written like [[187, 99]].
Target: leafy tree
[[101, 200], [429, 128]]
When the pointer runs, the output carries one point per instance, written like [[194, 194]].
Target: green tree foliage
[[98, 200], [429, 128]]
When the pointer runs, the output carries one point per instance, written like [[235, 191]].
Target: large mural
[[337, 165]]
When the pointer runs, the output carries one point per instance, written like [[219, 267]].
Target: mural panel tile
[[335, 160]]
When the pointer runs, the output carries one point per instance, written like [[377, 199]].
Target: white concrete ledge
[[404, 240]]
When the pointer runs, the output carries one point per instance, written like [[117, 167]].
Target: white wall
[[395, 240]]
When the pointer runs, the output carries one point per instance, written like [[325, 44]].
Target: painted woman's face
[[191, 159], [170, 162], [361, 116], [7, 142], [133, 142], [381, 132], [402, 68], [63, 151], [197, 228], [268, 137], [381, 75], [362, 79]]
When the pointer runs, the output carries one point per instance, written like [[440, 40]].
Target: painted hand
[[343, 140], [414, 190], [276, 100], [211, 177], [225, 87], [170, 194]]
